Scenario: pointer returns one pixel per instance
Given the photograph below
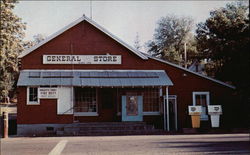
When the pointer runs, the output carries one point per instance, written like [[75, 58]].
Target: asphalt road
[[146, 145]]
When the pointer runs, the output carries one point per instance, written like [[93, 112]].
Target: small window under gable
[[32, 96], [202, 99]]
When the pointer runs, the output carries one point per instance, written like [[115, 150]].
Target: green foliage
[[169, 38], [224, 38], [11, 35]]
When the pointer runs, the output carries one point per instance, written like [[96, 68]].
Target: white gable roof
[[135, 51]]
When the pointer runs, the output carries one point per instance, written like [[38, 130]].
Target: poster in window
[[132, 106]]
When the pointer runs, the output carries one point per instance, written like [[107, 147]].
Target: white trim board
[[86, 114], [83, 18], [201, 93], [150, 113], [88, 70]]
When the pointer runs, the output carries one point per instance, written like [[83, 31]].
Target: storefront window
[[151, 102], [85, 100], [151, 98]]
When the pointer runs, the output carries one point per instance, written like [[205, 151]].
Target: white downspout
[[167, 109], [176, 125], [164, 112]]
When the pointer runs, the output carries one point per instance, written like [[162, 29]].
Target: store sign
[[214, 109], [194, 110], [47, 93], [82, 59]]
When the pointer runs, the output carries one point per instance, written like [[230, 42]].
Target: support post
[[164, 112], [6, 124], [176, 122]]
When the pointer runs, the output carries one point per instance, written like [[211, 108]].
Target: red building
[[83, 73]]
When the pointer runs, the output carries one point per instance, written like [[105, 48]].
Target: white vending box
[[195, 112], [215, 111]]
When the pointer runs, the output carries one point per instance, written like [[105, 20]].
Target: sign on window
[[47, 93]]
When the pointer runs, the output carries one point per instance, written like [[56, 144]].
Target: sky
[[124, 19]]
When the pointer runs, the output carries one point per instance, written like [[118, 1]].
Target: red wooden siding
[[45, 113]]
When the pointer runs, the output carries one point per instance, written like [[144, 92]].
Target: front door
[[172, 112], [107, 101], [131, 108]]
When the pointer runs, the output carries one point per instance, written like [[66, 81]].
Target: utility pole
[[90, 9], [185, 55], [6, 124]]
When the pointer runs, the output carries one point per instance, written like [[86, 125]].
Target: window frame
[[87, 113], [28, 97], [146, 98], [207, 93]]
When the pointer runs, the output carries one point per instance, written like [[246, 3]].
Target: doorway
[[172, 100], [132, 108], [171, 112], [107, 100]]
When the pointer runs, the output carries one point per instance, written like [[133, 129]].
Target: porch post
[[176, 125], [164, 112], [72, 98], [6, 124]]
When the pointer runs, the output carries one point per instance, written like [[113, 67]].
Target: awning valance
[[94, 78]]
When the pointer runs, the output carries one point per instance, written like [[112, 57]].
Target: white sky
[[122, 18]]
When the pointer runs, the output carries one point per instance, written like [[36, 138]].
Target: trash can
[[195, 112], [215, 111]]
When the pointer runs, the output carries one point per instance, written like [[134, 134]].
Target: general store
[[83, 73]]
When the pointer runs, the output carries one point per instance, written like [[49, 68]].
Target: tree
[[36, 40], [169, 38], [11, 35], [224, 39], [137, 43]]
